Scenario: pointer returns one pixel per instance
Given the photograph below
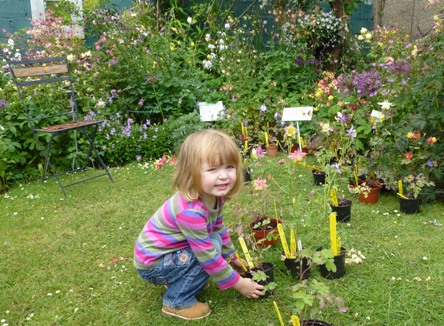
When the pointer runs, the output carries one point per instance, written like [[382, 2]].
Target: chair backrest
[[46, 91]]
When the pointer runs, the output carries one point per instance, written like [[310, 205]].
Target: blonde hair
[[210, 146]]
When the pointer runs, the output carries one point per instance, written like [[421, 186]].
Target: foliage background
[[150, 67]]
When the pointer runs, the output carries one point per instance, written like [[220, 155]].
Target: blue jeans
[[183, 274]]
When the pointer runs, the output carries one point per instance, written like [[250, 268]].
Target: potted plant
[[368, 190], [311, 295], [409, 200], [257, 269], [341, 206], [263, 227]]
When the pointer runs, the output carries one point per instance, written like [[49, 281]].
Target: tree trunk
[[337, 7]]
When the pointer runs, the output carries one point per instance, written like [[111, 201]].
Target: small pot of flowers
[[342, 208], [409, 200]]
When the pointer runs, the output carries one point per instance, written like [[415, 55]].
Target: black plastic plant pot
[[246, 174], [314, 322], [268, 269], [339, 261], [295, 266], [409, 206], [318, 177], [343, 212]]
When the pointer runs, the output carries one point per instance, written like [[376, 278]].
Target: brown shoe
[[198, 311]]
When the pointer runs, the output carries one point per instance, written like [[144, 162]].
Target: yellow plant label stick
[[292, 243], [400, 187], [278, 313], [266, 138], [334, 198], [401, 195], [241, 262], [333, 242], [295, 320], [283, 240], [246, 253]]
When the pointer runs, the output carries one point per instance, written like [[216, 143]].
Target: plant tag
[[246, 253], [283, 240], [303, 113], [278, 313], [295, 320]]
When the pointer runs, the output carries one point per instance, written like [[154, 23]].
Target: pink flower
[[161, 162], [297, 155], [260, 184], [260, 152]]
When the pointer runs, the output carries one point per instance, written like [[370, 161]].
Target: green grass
[[68, 260]]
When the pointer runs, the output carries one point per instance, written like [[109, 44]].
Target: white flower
[[364, 30], [70, 57], [100, 104], [386, 105], [207, 37], [227, 26], [11, 42], [207, 64], [189, 20]]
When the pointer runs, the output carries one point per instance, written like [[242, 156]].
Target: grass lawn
[[68, 260]]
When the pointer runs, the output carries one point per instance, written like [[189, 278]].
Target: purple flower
[[336, 167], [3, 104], [366, 83], [430, 163], [138, 158], [141, 102], [351, 132]]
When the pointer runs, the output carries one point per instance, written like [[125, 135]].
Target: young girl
[[185, 242]]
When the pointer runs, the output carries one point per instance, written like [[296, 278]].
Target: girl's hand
[[249, 288]]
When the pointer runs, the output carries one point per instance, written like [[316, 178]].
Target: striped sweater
[[179, 224]]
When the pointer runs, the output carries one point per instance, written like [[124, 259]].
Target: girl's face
[[216, 181]]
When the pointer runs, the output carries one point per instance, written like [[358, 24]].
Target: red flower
[[431, 140], [409, 155]]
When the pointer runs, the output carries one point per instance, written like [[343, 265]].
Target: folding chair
[[46, 91]]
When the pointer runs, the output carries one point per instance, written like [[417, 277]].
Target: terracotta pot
[[296, 147], [371, 197], [262, 234], [272, 150]]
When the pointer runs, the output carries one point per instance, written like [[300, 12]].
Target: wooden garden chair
[[48, 97]]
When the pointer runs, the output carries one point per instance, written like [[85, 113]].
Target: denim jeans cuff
[[183, 305]]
